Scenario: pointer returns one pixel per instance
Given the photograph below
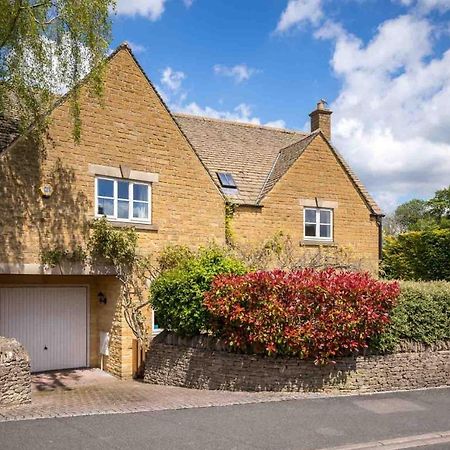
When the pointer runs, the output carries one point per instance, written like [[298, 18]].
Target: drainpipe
[[379, 220]]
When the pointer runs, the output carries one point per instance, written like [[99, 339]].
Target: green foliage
[[177, 294], [230, 209], [118, 249], [420, 215], [46, 46], [419, 255], [174, 256], [56, 256], [410, 213], [422, 315], [113, 246], [439, 205]]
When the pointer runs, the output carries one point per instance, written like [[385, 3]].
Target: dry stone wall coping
[[15, 376]]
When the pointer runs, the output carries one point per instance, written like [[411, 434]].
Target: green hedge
[[418, 255], [421, 315], [177, 294]]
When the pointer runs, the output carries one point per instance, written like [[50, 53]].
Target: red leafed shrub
[[309, 313]]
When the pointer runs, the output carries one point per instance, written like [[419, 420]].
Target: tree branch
[[13, 25]]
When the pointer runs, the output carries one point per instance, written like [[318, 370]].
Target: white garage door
[[50, 322]]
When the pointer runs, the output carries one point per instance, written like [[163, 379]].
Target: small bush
[[177, 294], [309, 313], [421, 315], [174, 256], [418, 255]]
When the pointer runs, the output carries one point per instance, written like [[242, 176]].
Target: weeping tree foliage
[[118, 248], [46, 48]]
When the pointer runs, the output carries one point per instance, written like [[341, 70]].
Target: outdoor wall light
[[101, 298]]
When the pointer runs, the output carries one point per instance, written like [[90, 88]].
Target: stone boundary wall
[[15, 377], [201, 363]]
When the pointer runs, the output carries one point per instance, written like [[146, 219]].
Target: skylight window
[[226, 180]]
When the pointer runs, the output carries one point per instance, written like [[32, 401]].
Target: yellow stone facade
[[132, 128], [316, 174]]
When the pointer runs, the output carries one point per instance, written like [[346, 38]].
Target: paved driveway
[[88, 392]]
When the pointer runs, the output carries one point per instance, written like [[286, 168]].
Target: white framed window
[[155, 324], [318, 224], [123, 200]]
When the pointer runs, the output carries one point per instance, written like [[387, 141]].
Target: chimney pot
[[321, 119]]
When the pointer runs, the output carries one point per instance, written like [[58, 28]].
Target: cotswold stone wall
[[15, 378], [201, 363]]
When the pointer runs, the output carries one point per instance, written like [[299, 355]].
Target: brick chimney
[[321, 118]]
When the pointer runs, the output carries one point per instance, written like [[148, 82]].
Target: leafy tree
[[439, 205], [417, 255], [46, 47], [420, 215], [409, 214], [177, 294]]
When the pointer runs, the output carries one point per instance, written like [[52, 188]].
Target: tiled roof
[[257, 156], [246, 151], [8, 131], [285, 158]]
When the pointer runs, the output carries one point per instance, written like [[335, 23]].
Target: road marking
[[418, 440], [388, 405]]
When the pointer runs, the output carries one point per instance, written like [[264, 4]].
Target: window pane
[[140, 192], [140, 210], [123, 209], [155, 322], [325, 231], [105, 188], [310, 230], [123, 191], [226, 180], [105, 207], [325, 217], [310, 215]]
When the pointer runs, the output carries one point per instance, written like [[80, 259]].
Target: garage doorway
[[50, 322]]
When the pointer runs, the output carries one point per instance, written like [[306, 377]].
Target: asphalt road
[[297, 424]]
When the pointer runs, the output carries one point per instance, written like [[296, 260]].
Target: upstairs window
[[318, 224], [226, 180], [122, 200]]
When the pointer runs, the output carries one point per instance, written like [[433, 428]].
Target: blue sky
[[381, 64]]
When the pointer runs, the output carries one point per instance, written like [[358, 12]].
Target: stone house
[[169, 176]]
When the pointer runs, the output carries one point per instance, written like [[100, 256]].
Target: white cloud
[[391, 115], [240, 72], [300, 12], [172, 92], [276, 124], [172, 79], [188, 3], [241, 113], [137, 48], [151, 9], [426, 6]]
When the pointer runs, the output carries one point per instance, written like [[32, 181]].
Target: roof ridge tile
[[237, 122]]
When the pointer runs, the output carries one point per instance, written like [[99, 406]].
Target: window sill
[[318, 243], [136, 225]]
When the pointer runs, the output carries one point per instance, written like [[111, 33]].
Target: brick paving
[[88, 392]]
